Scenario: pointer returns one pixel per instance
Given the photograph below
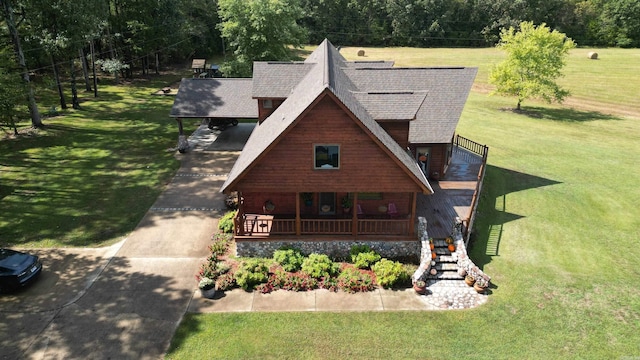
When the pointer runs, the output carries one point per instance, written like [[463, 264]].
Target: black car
[[17, 269]]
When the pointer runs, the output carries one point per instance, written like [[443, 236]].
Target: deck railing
[[255, 225], [471, 145], [482, 150]]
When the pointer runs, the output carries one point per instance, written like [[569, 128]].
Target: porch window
[[267, 104], [326, 156]]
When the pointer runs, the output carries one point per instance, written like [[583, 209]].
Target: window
[[327, 156], [267, 104]]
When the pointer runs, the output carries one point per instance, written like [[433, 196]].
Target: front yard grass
[[557, 232], [89, 176]]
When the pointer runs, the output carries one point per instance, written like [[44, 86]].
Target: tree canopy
[[259, 30], [535, 57]]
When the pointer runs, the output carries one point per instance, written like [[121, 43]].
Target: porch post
[[354, 216], [298, 221], [240, 218], [183, 144], [414, 205]]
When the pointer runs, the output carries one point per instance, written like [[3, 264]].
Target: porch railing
[[472, 146], [257, 225]]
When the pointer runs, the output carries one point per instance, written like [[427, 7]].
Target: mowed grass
[[89, 176], [557, 230]]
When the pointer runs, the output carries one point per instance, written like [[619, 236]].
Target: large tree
[[535, 58], [259, 30]]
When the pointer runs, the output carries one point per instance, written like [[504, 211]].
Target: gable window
[[267, 104], [326, 156]]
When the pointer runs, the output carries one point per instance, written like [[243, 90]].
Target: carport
[[212, 98]]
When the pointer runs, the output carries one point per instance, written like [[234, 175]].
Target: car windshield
[[5, 253]]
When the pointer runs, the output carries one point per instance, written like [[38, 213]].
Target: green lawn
[[557, 230], [90, 175]]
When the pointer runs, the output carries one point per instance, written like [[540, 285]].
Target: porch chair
[[360, 212], [392, 211]]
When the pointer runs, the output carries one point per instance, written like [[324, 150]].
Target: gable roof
[[216, 98], [325, 75]]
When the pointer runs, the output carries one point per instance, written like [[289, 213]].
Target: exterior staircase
[[446, 267]]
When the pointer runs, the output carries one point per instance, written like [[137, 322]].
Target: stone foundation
[[335, 249]]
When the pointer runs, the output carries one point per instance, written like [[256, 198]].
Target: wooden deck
[[453, 195]]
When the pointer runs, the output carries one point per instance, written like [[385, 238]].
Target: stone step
[[446, 259], [446, 275], [446, 266], [442, 251], [446, 283]]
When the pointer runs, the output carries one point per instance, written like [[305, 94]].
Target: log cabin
[[340, 152]]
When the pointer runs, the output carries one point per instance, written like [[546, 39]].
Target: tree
[[259, 30], [12, 90], [535, 57]]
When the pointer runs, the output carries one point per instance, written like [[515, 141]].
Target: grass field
[[89, 176], [557, 231]]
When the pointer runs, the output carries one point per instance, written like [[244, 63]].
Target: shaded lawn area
[[88, 177]]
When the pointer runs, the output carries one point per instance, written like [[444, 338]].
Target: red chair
[[392, 211]]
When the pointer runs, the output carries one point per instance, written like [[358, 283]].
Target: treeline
[[468, 23]]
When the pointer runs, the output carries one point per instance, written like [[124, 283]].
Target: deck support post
[[183, 144], [354, 216], [298, 220]]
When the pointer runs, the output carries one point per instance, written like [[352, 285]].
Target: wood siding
[[364, 166], [263, 112], [399, 131]]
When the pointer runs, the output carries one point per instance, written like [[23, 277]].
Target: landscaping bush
[[319, 266], [226, 222], [252, 272], [363, 257], [289, 258], [353, 280], [296, 281], [226, 281], [390, 273]]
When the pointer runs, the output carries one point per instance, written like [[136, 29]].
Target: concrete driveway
[[125, 301]]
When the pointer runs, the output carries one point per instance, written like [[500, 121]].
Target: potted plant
[[481, 284], [431, 244], [207, 287], [307, 198], [347, 204], [469, 279], [420, 286]]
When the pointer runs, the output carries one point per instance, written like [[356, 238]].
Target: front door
[[423, 156], [327, 203]]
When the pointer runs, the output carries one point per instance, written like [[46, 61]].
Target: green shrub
[[353, 280], [226, 222], [319, 266], [357, 249], [252, 272], [390, 273], [289, 258], [365, 260]]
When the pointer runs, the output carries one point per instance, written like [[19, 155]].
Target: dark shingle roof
[[402, 105], [325, 74], [221, 98], [447, 88], [277, 79]]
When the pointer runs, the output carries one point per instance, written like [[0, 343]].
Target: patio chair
[[392, 210], [360, 212]]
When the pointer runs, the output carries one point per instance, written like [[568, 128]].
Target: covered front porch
[[321, 215]]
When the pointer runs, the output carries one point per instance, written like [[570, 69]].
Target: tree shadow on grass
[[562, 114], [493, 212]]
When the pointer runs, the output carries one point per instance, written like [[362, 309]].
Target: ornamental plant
[[390, 273], [252, 272], [289, 258], [319, 266], [226, 222], [353, 280]]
